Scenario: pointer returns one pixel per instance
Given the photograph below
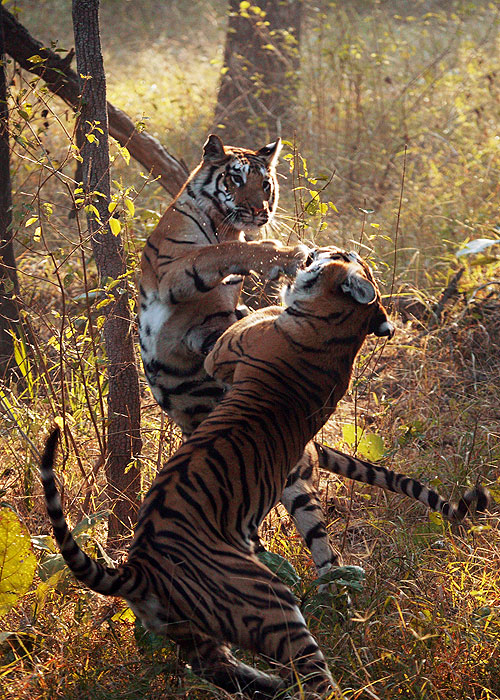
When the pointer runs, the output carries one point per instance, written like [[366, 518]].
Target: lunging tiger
[[192, 573], [187, 299]]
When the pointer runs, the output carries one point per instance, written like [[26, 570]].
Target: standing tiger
[[191, 572], [191, 271], [189, 295]]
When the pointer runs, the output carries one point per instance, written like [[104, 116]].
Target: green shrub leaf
[[349, 576], [369, 445], [281, 567]]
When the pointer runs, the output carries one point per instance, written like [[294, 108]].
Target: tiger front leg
[[203, 269]]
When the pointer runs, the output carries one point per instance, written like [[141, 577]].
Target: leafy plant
[[17, 561], [368, 445], [52, 567]]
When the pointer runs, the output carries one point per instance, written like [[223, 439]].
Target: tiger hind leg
[[270, 623], [214, 662], [300, 498], [265, 619]]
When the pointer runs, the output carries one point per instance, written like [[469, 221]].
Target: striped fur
[[191, 573], [187, 301], [191, 272], [184, 306]]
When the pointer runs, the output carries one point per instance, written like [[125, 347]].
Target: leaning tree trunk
[[123, 423], [261, 62], [62, 80], [8, 273]]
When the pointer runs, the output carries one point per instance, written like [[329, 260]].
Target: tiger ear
[[213, 149], [359, 288], [270, 153]]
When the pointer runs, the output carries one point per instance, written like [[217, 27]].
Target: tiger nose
[[256, 211]]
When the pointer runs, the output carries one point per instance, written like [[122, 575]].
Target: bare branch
[[63, 81]]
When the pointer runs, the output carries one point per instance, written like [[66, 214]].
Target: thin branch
[[62, 80]]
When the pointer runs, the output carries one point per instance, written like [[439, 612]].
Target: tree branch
[[63, 81]]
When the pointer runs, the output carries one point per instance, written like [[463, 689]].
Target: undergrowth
[[426, 623]]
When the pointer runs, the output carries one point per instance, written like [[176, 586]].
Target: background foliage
[[396, 133]]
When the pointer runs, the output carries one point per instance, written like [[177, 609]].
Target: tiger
[[189, 295], [192, 573], [192, 267]]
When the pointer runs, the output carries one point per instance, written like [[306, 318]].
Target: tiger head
[[240, 183], [335, 279]]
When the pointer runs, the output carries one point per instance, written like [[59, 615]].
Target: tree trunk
[[62, 80], [9, 287], [261, 61], [123, 424]]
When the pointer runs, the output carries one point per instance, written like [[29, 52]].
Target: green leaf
[[44, 543], [149, 641], [372, 446], [17, 561], [348, 576], [89, 521], [36, 59], [57, 581], [281, 567], [50, 564]]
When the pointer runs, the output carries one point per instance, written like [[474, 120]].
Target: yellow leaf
[[130, 206], [125, 615], [125, 154], [112, 207], [115, 226], [91, 209], [38, 233], [31, 221], [17, 561]]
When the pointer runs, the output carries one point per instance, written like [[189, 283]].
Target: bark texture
[[9, 288], [123, 424], [63, 81], [261, 62]]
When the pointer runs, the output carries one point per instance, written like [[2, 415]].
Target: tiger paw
[[289, 261]]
